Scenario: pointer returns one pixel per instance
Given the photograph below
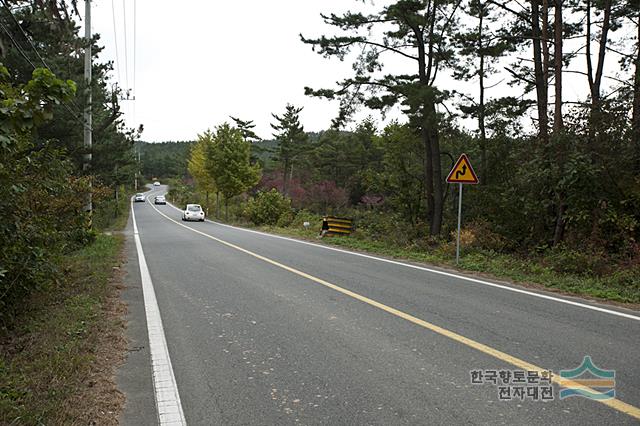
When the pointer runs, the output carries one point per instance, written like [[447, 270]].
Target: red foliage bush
[[327, 194]]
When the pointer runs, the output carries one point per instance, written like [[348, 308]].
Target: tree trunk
[[604, 35], [429, 130], [596, 80], [284, 176], [226, 209], [217, 204], [558, 233], [541, 82], [558, 122], [291, 173], [635, 125], [117, 198], [544, 28], [428, 172], [481, 107], [436, 223], [424, 134]]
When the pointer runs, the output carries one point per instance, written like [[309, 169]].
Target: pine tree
[[415, 30], [291, 141], [480, 46]]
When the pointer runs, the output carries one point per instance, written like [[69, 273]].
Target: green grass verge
[[621, 286], [46, 359]]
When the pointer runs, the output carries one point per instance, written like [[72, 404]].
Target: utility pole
[[87, 107]]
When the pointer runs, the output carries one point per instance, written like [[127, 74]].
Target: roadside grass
[[56, 362], [111, 215], [620, 286]]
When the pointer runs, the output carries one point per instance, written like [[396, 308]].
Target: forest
[[45, 176], [559, 174], [543, 96]]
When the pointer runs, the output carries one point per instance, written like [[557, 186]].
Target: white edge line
[[169, 408], [434, 271]]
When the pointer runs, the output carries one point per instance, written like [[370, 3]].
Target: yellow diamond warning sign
[[462, 172]]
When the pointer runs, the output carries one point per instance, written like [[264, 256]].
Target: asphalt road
[[269, 331]]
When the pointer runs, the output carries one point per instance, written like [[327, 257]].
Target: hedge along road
[[263, 330]]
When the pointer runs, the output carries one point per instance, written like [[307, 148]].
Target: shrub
[[302, 216], [585, 262], [627, 281], [327, 196], [295, 191], [478, 234], [269, 208], [386, 226]]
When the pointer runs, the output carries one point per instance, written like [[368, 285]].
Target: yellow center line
[[614, 403]]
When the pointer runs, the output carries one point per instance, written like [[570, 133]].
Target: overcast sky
[[197, 62]]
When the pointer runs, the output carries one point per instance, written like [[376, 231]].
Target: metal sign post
[[461, 173], [459, 221]]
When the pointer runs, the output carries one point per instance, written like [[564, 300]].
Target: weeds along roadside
[[58, 354], [558, 269]]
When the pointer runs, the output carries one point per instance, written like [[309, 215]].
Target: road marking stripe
[[616, 404], [169, 408], [435, 271]]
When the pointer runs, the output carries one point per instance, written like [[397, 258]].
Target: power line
[[25, 34], [134, 48], [15, 43], [35, 49], [133, 106], [126, 55], [115, 38], [19, 48]]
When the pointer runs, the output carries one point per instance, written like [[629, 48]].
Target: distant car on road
[[139, 197], [156, 183], [193, 212], [160, 200]]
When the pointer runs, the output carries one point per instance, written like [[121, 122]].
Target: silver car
[[139, 197], [160, 199], [193, 212]]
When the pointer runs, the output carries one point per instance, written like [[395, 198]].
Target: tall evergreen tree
[[291, 140], [44, 33], [246, 127], [415, 30], [480, 46]]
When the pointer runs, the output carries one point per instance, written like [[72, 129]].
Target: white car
[[193, 212], [159, 200], [156, 183], [139, 197]]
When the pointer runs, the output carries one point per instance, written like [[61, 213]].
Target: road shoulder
[[134, 377]]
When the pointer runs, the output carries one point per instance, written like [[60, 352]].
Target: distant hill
[[265, 151], [164, 159], [169, 159]]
